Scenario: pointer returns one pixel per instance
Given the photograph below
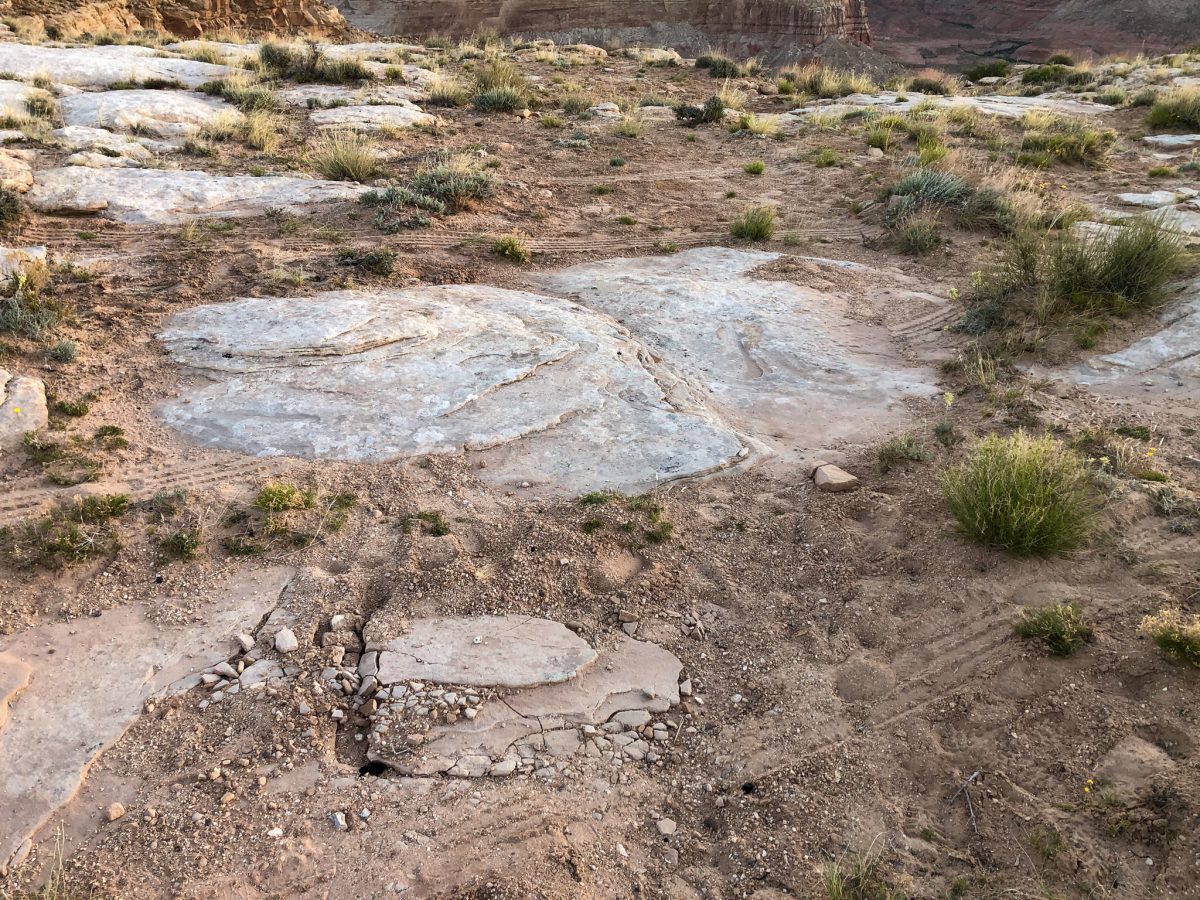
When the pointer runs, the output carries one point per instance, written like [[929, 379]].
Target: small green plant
[[718, 65], [630, 126], [1137, 432], [77, 408], [601, 190], [446, 90], [1029, 496], [1180, 108], [824, 158], [376, 262], [917, 236], [1161, 172], [183, 544], [881, 138], [712, 111], [934, 81], [756, 223], [279, 496], [755, 167], [855, 879], [514, 246], [901, 447], [626, 220], [10, 208], [996, 68], [599, 498], [344, 156], [550, 121], [65, 351], [1059, 626], [435, 525], [1175, 635]]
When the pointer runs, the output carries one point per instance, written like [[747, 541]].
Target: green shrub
[[755, 224], [183, 544], [455, 181], [1072, 142], [245, 95], [279, 496], [932, 81], [881, 138], [1061, 59], [10, 208], [901, 447], [1178, 109], [1175, 635], [500, 99], [64, 351], [917, 236], [824, 83], [719, 65], [755, 167], [997, 68], [1060, 627], [513, 246], [1043, 75], [344, 156], [1112, 96], [376, 262], [824, 158], [1027, 495], [446, 90], [713, 110], [1161, 172]]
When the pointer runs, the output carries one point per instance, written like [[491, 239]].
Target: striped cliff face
[[752, 24]]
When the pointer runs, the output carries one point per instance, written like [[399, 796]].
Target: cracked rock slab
[[541, 388], [22, 408], [992, 105], [98, 67], [13, 97], [335, 94], [161, 197], [632, 676], [485, 651], [165, 113], [89, 681]]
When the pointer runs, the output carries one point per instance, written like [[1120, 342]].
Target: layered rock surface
[[665, 367]]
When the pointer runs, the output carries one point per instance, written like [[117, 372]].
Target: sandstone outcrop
[[186, 18]]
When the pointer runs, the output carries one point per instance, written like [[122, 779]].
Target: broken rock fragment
[[833, 480]]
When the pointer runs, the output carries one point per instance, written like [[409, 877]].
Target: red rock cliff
[[186, 18]]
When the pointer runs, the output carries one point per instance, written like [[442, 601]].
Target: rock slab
[[485, 651], [22, 408]]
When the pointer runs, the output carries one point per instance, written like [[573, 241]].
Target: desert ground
[[371, 406]]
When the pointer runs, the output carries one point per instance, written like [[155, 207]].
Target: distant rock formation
[[948, 32], [185, 18], [749, 26]]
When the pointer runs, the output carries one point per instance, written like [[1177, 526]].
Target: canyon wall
[[750, 26], [949, 32], [186, 18]]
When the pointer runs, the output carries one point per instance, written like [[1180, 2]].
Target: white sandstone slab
[[159, 196], [165, 113], [98, 67], [22, 408], [1173, 140], [402, 114], [540, 388], [16, 171], [1153, 200], [777, 361], [485, 651], [13, 259], [1166, 361], [992, 105], [13, 95], [333, 94], [90, 679]]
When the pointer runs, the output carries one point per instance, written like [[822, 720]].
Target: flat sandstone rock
[[98, 67], [162, 197], [165, 113], [22, 408], [89, 681], [485, 651]]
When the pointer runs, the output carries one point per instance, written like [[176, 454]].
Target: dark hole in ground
[[749, 787], [374, 767]]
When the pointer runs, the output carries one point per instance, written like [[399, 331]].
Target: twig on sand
[[965, 790]]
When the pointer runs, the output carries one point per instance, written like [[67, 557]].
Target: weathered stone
[[401, 114], [16, 173], [22, 408], [492, 651], [98, 67], [285, 640], [833, 480], [153, 196], [115, 811], [666, 827], [13, 98], [14, 259], [103, 670], [164, 113], [319, 95], [1173, 140], [1153, 200]]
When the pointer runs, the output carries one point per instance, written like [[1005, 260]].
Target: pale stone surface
[[634, 675], [485, 651], [991, 105], [158, 196], [22, 408], [544, 390], [400, 114], [165, 113], [1173, 140], [90, 679], [1166, 361], [13, 95], [82, 138], [777, 361], [834, 480], [1153, 200], [15, 258], [541, 388], [654, 56], [16, 173], [375, 94], [98, 67], [15, 674]]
